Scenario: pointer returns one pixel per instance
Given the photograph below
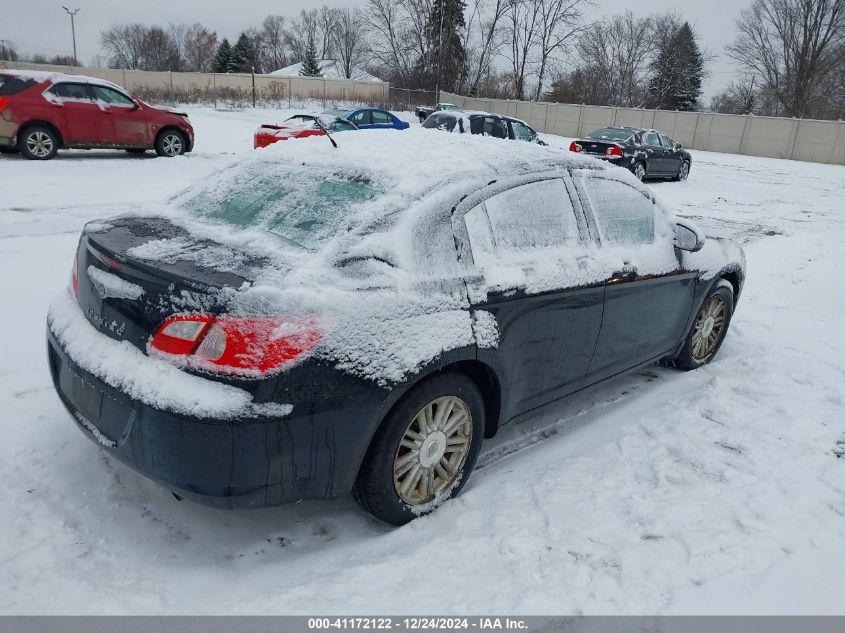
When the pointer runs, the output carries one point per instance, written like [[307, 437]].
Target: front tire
[[38, 142], [709, 327], [683, 171], [424, 450], [171, 143]]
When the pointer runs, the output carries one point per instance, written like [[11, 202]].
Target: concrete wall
[[798, 139], [212, 86]]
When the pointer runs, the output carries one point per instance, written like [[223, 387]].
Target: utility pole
[[72, 31]]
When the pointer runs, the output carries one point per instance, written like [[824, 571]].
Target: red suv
[[42, 112]]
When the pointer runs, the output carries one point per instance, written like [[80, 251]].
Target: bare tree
[[483, 40], [398, 39], [523, 26], [125, 45], [349, 40], [615, 59], [198, 47], [560, 22], [327, 23], [791, 46], [274, 45]]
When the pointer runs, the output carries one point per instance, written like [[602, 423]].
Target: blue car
[[369, 118]]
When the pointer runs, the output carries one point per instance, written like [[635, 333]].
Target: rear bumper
[[314, 452]]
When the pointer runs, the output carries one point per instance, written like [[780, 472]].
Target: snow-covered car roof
[[43, 75]]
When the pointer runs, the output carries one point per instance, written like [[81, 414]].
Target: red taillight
[[4, 101], [236, 345], [74, 275], [614, 151], [575, 147]]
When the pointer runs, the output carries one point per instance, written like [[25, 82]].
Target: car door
[[381, 120], [83, 121], [522, 132], [654, 154], [127, 123], [671, 156], [363, 119], [648, 293], [525, 243]]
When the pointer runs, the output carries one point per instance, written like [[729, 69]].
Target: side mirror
[[688, 238], [678, 146]]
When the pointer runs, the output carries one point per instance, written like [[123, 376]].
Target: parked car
[[483, 123], [369, 118], [42, 112], [300, 126], [363, 319], [423, 113], [646, 153]]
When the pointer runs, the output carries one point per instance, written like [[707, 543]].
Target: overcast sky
[[42, 25]]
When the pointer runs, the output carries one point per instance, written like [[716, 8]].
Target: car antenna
[[325, 131]]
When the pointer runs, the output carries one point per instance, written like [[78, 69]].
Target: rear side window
[[652, 139], [524, 219], [360, 118], [12, 85], [624, 214], [77, 92], [497, 128], [380, 117]]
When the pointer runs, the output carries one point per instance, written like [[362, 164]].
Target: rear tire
[[424, 450], [638, 169], [709, 327], [38, 142], [170, 143]]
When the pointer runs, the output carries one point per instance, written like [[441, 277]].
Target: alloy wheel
[[39, 144], [709, 327], [172, 145], [432, 451], [684, 171]]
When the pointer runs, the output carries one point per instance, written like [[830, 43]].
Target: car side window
[[380, 118], [667, 141], [497, 128], [111, 96], [651, 138], [522, 132], [75, 92], [524, 219], [624, 214], [360, 118]]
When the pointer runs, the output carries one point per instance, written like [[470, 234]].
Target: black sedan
[[483, 124], [309, 323], [647, 153]]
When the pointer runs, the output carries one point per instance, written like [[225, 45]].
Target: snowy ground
[[715, 491]]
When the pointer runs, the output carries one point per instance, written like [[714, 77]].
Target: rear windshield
[[611, 134], [305, 207], [12, 84], [441, 121]]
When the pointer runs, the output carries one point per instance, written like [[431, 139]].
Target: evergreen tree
[[310, 65], [447, 57], [242, 59], [677, 72], [220, 63]]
